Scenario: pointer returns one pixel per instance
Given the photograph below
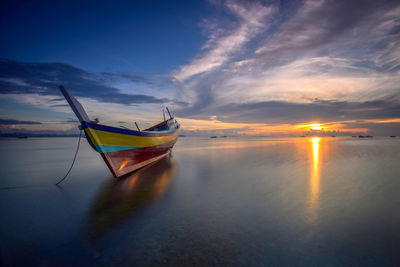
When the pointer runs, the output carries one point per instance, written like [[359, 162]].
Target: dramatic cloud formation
[[221, 45], [329, 60], [280, 112], [44, 79], [255, 67]]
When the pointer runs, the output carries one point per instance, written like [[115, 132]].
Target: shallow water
[[224, 201]]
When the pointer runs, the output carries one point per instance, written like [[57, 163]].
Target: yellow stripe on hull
[[103, 138]]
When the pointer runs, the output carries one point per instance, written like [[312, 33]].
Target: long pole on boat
[[163, 113], [137, 126], [169, 112]]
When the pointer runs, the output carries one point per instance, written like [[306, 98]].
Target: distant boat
[[224, 136], [122, 149], [213, 136], [393, 136], [333, 135]]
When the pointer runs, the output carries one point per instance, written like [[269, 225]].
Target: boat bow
[[125, 150]]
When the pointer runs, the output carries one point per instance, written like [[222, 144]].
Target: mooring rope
[[36, 185], [73, 162]]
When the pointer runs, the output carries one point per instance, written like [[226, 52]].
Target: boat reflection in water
[[120, 199]]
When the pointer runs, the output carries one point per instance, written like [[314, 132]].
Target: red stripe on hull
[[125, 161]]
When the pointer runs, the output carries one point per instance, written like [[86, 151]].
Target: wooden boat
[[122, 149]]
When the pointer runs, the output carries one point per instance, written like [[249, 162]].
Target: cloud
[[58, 105], [364, 32], [223, 43], [289, 63], [379, 129], [308, 78], [281, 112], [44, 79], [17, 122], [330, 26], [156, 82], [346, 54]]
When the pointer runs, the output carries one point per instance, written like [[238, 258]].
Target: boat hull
[[125, 150]]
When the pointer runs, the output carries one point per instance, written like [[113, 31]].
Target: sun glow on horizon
[[284, 129], [315, 126]]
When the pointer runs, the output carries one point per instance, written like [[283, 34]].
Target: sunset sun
[[315, 126]]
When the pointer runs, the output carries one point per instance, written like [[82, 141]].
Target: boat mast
[[137, 126], [169, 112]]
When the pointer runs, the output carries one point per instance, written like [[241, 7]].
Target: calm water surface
[[227, 202]]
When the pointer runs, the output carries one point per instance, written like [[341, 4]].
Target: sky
[[264, 68]]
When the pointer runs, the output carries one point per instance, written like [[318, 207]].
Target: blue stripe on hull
[[105, 148]]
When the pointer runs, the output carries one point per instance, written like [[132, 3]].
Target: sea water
[[224, 201]]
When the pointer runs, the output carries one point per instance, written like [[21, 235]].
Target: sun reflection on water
[[313, 202], [315, 142]]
